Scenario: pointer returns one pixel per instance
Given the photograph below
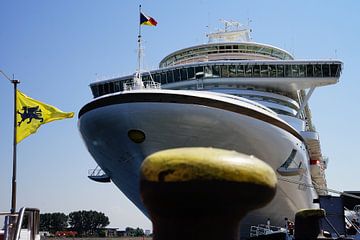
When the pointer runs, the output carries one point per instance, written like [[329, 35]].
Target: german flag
[[147, 20]]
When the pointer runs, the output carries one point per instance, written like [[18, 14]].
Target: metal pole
[[139, 46], [13, 190]]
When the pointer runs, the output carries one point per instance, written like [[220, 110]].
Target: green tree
[[88, 223], [53, 222], [138, 232]]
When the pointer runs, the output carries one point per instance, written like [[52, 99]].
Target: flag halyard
[[31, 114]]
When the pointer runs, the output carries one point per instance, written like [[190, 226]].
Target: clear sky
[[57, 48]]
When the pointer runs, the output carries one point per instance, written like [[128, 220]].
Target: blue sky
[[57, 48]]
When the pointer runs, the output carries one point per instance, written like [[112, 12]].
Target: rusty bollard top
[[202, 193]]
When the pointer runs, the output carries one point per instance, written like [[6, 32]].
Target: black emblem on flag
[[30, 113]]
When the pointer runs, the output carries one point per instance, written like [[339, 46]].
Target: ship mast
[[138, 83]]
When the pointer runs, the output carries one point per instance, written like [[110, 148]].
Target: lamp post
[[13, 189]]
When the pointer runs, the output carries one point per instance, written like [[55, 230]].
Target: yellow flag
[[31, 114]]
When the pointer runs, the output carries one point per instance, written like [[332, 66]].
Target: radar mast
[[233, 32]]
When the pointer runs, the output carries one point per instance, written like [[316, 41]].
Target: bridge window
[[232, 71], [302, 72], [317, 70], [256, 71], [111, 87], [157, 77], [176, 74], [287, 71], [280, 70], [107, 88], [248, 70], [169, 76], [326, 70], [208, 72], [272, 70], [224, 71], [163, 78], [183, 74], [199, 72], [216, 71], [264, 71], [94, 90], [309, 70], [334, 70], [240, 71], [191, 73], [295, 70]]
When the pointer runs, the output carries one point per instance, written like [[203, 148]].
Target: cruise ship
[[230, 93]]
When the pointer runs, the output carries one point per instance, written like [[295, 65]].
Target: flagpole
[[13, 188], [139, 47], [13, 191]]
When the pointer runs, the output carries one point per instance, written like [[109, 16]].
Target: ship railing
[[98, 175], [129, 86], [263, 229], [96, 172], [13, 228], [353, 221]]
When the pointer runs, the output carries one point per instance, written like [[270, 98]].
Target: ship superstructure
[[230, 93]]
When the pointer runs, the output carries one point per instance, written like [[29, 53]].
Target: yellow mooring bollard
[[202, 193]]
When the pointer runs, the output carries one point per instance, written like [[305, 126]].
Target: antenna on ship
[[233, 32]]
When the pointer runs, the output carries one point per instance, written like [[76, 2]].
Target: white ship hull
[[171, 118]]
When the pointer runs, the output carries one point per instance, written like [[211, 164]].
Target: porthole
[[137, 136]]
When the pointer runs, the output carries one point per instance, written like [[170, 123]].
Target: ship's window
[[272, 70], [111, 87], [157, 77], [326, 70], [199, 70], [256, 71], [94, 90], [264, 70], [216, 71], [240, 70], [117, 86], [334, 70], [295, 70], [176, 75], [222, 49], [248, 70], [309, 70], [317, 70], [183, 74], [191, 73], [235, 46], [169, 77], [101, 89], [107, 88], [163, 78], [280, 71], [208, 72], [121, 84], [224, 71], [301, 70], [232, 71], [287, 71], [146, 78]]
